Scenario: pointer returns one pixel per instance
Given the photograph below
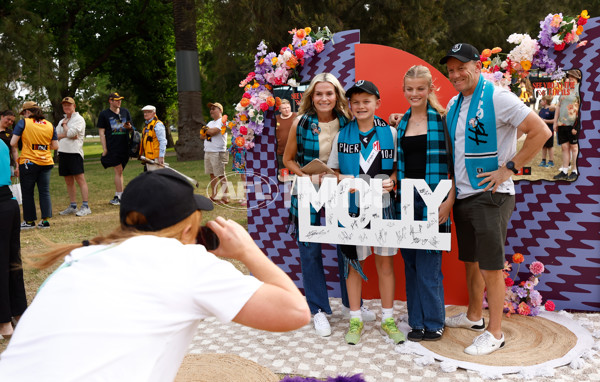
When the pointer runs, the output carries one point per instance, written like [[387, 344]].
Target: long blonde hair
[[420, 71], [341, 104], [119, 235]]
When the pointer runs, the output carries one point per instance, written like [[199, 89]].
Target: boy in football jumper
[[367, 147]]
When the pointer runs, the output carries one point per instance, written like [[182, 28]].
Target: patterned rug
[[302, 352]]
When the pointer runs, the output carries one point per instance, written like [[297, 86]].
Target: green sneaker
[[388, 328], [356, 327]]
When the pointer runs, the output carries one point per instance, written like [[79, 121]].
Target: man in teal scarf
[[483, 121]]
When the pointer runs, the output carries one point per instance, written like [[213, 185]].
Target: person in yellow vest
[[154, 136], [35, 163]]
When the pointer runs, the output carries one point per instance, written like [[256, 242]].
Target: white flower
[[516, 38], [556, 39], [239, 108], [292, 82], [251, 113]]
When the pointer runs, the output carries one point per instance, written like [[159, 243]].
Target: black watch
[[511, 166]]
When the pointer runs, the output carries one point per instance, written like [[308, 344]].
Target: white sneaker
[[484, 344], [367, 315], [321, 324], [69, 211], [83, 211], [461, 321]]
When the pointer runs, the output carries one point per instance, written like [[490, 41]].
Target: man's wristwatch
[[511, 166]]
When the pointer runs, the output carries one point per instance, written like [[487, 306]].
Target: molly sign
[[368, 226]]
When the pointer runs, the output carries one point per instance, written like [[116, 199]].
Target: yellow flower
[[496, 50], [304, 42], [247, 87], [486, 63], [308, 30], [584, 14], [526, 65], [274, 61]]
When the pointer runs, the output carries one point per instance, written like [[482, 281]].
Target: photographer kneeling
[[125, 306]]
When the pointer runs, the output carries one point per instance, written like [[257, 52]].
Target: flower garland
[[271, 69], [522, 298], [556, 32]]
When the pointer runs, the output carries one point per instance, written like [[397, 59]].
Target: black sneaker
[[433, 335], [115, 201], [415, 335], [573, 177], [560, 176], [44, 224], [27, 225]]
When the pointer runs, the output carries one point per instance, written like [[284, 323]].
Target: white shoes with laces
[[321, 324], [484, 344]]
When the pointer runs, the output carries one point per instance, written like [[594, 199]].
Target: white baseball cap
[[149, 108]]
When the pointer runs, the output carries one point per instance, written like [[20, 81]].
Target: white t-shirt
[[217, 143], [510, 112], [76, 128], [123, 313]]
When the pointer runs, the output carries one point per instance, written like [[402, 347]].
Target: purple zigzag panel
[[268, 204], [558, 223]]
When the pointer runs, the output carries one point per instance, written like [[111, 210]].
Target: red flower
[[264, 106], [299, 53], [247, 95], [581, 21], [549, 305], [559, 47], [509, 282], [517, 258], [523, 309], [243, 130]]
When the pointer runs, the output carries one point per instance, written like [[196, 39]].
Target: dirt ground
[[537, 172]]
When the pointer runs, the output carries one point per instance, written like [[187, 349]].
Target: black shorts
[[69, 164], [550, 142], [111, 160], [565, 135]]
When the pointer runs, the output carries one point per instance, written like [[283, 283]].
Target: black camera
[[208, 238]]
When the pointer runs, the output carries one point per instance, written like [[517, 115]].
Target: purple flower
[[536, 298], [521, 292], [535, 310]]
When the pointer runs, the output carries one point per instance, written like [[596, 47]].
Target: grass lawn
[[104, 217]]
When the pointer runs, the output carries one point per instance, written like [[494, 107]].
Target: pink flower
[[549, 305], [582, 43], [247, 95], [299, 53], [556, 20], [264, 106], [319, 46], [536, 268], [523, 309]]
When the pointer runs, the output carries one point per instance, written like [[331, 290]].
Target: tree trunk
[[189, 146]]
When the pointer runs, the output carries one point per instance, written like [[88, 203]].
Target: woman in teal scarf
[[323, 111], [422, 154]]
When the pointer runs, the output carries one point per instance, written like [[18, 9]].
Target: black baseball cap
[[462, 52], [363, 87], [163, 197]]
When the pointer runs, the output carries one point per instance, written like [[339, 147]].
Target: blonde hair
[[285, 101], [420, 71], [119, 235], [341, 104]]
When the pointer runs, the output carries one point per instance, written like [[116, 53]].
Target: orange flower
[[244, 102], [269, 87], [526, 65], [579, 30], [240, 141], [262, 60], [292, 62], [231, 124], [308, 30], [271, 101], [274, 61], [496, 50], [291, 47], [243, 117], [518, 258], [277, 101], [300, 33], [486, 63], [486, 53], [255, 84], [224, 118]]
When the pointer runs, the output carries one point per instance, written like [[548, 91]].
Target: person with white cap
[[70, 132], [154, 136], [125, 306]]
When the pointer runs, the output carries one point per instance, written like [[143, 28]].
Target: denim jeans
[[313, 277], [31, 174], [424, 287]]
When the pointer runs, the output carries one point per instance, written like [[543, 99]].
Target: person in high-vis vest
[[35, 163], [154, 136]]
